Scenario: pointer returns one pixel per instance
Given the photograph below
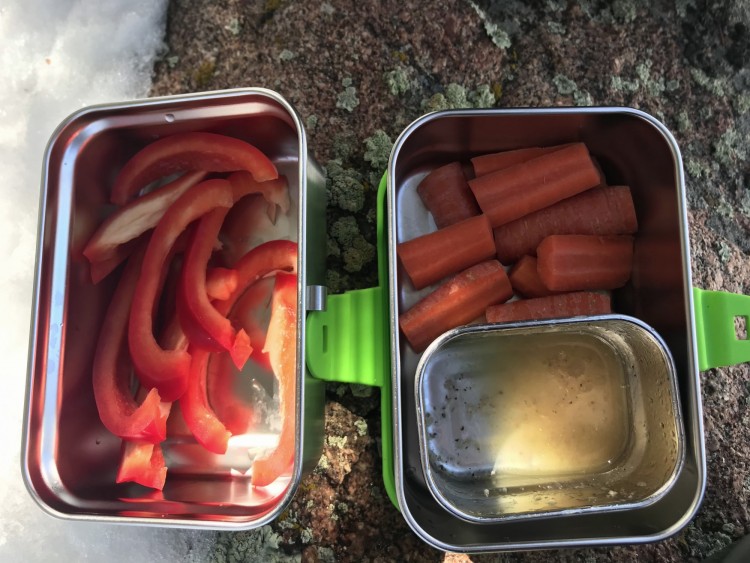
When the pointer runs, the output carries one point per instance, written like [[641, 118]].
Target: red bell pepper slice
[[200, 418], [274, 256], [167, 370], [189, 151], [102, 268], [142, 463], [273, 191], [220, 283], [233, 412], [118, 410], [249, 312], [281, 345], [136, 218], [204, 325]]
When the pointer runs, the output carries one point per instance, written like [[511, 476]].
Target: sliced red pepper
[[269, 257], [249, 313], [273, 191], [220, 283], [136, 218], [281, 345], [233, 412], [200, 418], [203, 324], [142, 463], [118, 410], [274, 256], [167, 370], [189, 151], [101, 269]]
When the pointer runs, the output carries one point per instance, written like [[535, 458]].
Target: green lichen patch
[[356, 252], [732, 147], [378, 150], [345, 187], [398, 80], [286, 55], [497, 35], [361, 427], [347, 99], [716, 86], [337, 441], [458, 97], [566, 87], [233, 26]]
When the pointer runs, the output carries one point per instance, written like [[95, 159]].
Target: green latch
[[719, 343], [349, 342], [345, 342]]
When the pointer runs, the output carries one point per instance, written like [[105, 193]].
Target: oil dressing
[[533, 409]]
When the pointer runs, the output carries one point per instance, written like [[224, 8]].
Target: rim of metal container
[[530, 325], [694, 397], [59, 280]]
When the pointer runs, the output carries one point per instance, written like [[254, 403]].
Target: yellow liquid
[[548, 405]]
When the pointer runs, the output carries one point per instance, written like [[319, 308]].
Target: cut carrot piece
[[511, 193], [601, 211], [446, 194], [525, 279], [578, 262], [551, 307], [432, 257], [458, 301], [488, 163]]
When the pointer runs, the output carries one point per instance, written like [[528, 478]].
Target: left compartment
[[69, 459]]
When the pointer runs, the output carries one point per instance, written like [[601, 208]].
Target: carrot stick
[[525, 279], [577, 262], [487, 163], [458, 301], [523, 188], [551, 307], [432, 257], [601, 211], [446, 194]]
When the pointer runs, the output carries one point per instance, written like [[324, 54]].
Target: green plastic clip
[[349, 343], [718, 342]]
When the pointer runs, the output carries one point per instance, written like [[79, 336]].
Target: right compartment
[[633, 149]]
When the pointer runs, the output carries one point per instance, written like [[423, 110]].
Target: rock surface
[[359, 72]]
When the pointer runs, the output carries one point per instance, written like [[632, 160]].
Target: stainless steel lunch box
[[548, 418], [633, 149], [69, 459]]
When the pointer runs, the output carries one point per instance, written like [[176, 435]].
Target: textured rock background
[[359, 72]]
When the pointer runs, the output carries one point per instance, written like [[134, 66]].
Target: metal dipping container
[[548, 418]]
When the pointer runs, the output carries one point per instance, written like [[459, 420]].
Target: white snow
[[55, 57]]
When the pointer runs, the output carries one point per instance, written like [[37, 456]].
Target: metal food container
[[69, 459], [632, 149], [548, 418]]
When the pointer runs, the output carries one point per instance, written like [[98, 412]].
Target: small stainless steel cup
[[548, 418]]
